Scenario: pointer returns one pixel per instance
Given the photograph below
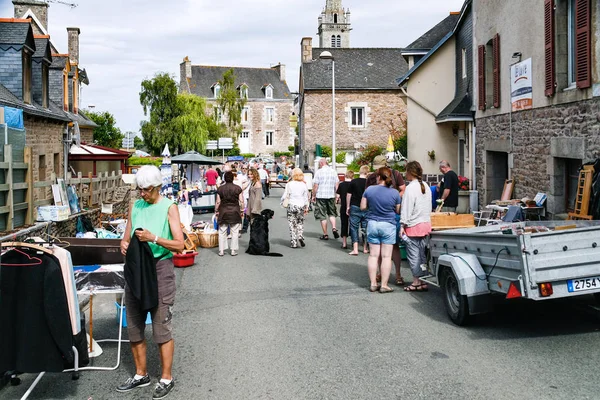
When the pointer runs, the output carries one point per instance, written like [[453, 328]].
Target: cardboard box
[[53, 213], [442, 221]]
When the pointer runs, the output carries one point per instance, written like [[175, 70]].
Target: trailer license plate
[[575, 285]]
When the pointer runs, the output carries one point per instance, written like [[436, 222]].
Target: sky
[[123, 42]]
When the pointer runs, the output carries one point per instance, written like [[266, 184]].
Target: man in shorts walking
[[325, 185]]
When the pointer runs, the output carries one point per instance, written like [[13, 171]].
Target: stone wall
[[257, 125], [382, 107], [45, 139], [87, 135], [540, 137], [39, 9]]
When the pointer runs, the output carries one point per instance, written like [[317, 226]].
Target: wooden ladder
[[584, 190]]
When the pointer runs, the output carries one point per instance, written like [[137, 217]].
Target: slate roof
[[355, 68], [459, 109], [430, 38], [42, 49], [58, 62], [10, 100], [422, 61], [204, 77], [16, 34]]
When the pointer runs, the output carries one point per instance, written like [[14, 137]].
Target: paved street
[[305, 327]]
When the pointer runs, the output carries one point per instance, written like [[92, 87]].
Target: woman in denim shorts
[[383, 204]]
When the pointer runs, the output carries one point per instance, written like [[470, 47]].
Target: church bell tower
[[334, 26]]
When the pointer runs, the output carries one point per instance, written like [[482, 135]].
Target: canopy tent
[[193, 157]]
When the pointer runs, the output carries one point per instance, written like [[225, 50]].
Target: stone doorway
[[496, 173]]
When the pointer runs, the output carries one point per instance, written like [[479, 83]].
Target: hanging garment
[[66, 266], [35, 327], [140, 273]]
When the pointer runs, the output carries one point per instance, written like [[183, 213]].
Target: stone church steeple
[[334, 25]]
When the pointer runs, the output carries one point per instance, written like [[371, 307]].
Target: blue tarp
[[14, 118]]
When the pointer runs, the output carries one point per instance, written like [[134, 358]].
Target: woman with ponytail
[[416, 223], [383, 203]]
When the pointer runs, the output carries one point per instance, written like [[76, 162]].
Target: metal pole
[[333, 153]]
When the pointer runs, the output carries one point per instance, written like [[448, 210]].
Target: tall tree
[[231, 102], [158, 98], [106, 133], [192, 126]]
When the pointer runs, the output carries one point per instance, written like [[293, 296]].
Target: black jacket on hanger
[[35, 326], [140, 273]]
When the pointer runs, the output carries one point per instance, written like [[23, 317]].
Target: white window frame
[[216, 91], [245, 115], [269, 138], [571, 33], [218, 114], [270, 114], [464, 63], [363, 115], [244, 92], [269, 92], [245, 135]]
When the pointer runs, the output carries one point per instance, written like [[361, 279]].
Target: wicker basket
[[208, 240]]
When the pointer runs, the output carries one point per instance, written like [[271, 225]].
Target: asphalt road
[[305, 327]]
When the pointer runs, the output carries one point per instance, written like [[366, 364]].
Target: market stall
[[201, 201]]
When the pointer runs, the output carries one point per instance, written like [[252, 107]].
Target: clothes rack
[[12, 375]]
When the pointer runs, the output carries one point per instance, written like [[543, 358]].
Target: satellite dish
[[83, 77]]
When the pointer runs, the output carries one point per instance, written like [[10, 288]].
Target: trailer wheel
[[457, 305], [597, 298]]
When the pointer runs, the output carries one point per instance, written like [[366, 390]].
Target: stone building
[[269, 103], [542, 138], [367, 97]]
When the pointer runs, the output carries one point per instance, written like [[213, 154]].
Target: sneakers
[[302, 242], [161, 390], [133, 383]]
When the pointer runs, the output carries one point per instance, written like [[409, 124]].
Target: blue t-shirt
[[381, 202]]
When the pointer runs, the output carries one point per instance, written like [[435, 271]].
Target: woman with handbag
[[295, 199]]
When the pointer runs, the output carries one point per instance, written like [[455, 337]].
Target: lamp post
[[326, 57]]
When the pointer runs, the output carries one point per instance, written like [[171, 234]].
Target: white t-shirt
[[298, 192], [263, 174]]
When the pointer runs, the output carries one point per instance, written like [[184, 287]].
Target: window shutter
[[481, 76], [549, 47], [583, 69], [496, 69]]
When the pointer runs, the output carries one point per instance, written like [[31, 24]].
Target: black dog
[[259, 235]]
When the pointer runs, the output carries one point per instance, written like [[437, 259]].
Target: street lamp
[[327, 57]]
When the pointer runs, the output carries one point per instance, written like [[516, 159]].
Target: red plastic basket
[[185, 259]]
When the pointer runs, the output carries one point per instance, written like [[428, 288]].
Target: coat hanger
[[38, 261], [28, 245]]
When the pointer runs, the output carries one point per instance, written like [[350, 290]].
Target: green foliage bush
[[325, 151], [291, 149], [157, 161], [278, 154], [354, 166], [367, 156], [340, 157], [248, 155]]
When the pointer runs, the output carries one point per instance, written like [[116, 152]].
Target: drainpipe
[[417, 103], [5, 133]]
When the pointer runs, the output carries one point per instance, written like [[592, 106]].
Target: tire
[[457, 305], [597, 298]]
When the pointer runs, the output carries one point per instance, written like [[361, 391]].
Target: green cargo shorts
[[325, 208]]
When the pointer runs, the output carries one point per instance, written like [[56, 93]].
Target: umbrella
[[193, 157]]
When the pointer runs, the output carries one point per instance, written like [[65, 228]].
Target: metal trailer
[[472, 265]]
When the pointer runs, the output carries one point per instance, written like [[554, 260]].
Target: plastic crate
[[184, 260], [118, 306]]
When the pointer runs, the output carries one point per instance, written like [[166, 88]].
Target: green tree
[[106, 133], [138, 143], [158, 97], [191, 126], [231, 103]]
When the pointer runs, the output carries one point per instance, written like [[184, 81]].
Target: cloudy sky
[[123, 42]]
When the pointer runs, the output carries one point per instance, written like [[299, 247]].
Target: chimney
[[185, 75], [188, 67], [306, 49], [280, 68], [38, 8], [73, 44]]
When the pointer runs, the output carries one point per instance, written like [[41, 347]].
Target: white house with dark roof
[[368, 100], [269, 103]]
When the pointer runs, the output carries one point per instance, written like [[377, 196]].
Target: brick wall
[[382, 108], [11, 71], [541, 139]]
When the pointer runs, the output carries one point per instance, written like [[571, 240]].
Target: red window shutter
[[481, 76], [496, 69], [549, 47], [583, 43]]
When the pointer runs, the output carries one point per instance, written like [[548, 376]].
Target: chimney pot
[[306, 49]]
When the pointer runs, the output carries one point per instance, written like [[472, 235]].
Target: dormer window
[[268, 92], [217, 91], [26, 76], [243, 89]]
